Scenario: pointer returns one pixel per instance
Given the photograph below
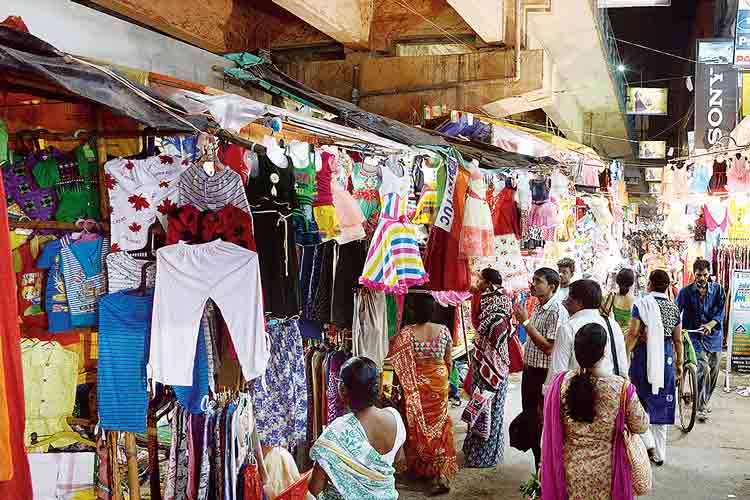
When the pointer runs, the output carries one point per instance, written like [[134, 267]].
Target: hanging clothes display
[[738, 175], [701, 175], [543, 213], [447, 270], [506, 216], [30, 284], [83, 273], [273, 199], [477, 230], [229, 223], [350, 261], [718, 182], [50, 373], [211, 190], [303, 160], [393, 261], [141, 191], [347, 209], [280, 398], [370, 325], [36, 202], [323, 209], [366, 184], [188, 276], [55, 296], [124, 272]]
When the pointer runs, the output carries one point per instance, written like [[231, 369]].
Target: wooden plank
[[131, 452], [101, 158]]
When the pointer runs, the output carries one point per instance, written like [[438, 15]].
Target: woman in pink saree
[[583, 450]]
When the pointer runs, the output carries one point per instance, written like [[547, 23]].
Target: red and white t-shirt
[[141, 191]]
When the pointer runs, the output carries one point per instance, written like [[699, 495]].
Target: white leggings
[[187, 275], [656, 438]]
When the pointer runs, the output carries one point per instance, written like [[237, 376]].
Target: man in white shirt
[[583, 304], [567, 269]]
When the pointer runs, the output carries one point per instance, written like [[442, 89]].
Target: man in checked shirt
[[541, 330]]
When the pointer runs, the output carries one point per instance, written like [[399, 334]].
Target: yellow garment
[[566, 229], [281, 472], [739, 219], [426, 208], [327, 221], [50, 374], [36, 244]]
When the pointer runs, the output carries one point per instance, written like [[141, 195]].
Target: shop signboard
[[742, 35], [739, 321], [654, 174], [715, 92], [646, 101], [652, 150]]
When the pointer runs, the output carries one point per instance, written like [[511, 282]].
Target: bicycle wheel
[[688, 397]]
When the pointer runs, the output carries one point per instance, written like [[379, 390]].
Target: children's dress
[[478, 231], [393, 261]]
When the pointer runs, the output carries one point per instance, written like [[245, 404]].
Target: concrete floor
[[710, 463]]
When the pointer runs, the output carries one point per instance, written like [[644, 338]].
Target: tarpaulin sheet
[[24, 55], [268, 77]]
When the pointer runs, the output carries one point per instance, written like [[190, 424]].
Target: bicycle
[[688, 385]]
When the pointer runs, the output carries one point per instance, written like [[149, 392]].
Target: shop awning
[[516, 133], [31, 65], [265, 76]]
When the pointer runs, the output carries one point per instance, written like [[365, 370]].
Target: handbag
[[640, 465], [515, 352]]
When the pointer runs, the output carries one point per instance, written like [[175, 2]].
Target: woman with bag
[[490, 367], [655, 339], [583, 410], [618, 304]]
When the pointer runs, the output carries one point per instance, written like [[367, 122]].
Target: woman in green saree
[[354, 455]]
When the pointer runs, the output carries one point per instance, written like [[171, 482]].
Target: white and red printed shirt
[[140, 192]]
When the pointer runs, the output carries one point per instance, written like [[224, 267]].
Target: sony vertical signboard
[[742, 35], [715, 91]]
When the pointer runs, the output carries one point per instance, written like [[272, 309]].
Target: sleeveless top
[[433, 349]]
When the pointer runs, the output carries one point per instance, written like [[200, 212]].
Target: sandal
[[440, 486]]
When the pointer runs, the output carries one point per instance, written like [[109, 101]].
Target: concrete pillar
[[346, 21]]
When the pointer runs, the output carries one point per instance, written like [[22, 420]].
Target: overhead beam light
[[621, 68]]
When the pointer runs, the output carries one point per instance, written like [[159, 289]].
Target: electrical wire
[[447, 34], [654, 50]]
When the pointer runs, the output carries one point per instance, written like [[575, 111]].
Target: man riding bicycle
[[702, 307]]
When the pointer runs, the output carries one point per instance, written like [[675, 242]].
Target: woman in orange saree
[[421, 357]]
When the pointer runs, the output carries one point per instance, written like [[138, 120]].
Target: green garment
[[3, 143], [76, 205], [46, 173], [622, 316]]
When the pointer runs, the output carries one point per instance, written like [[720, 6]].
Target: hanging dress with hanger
[[738, 175], [477, 232], [273, 199], [718, 183], [366, 183], [347, 209], [393, 261]]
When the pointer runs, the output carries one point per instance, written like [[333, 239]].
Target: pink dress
[[348, 210], [478, 231], [738, 175], [680, 188]]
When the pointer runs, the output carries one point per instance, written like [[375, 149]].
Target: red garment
[[446, 268], [253, 487], [15, 479], [15, 22], [505, 214], [30, 285], [230, 224], [233, 156]]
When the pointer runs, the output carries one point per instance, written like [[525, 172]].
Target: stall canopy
[[261, 74], [31, 65], [256, 71]]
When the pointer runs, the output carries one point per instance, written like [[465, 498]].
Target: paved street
[[710, 463]]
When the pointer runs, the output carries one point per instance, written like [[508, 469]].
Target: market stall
[[187, 261]]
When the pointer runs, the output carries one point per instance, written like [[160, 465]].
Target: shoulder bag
[[640, 465], [615, 362]]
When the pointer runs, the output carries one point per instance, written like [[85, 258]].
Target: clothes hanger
[[141, 290], [156, 239]]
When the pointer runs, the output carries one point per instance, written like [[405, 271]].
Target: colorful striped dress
[[393, 261]]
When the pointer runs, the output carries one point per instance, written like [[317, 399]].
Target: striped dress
[[393, 261]]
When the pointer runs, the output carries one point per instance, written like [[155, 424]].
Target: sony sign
[[715, 93]]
